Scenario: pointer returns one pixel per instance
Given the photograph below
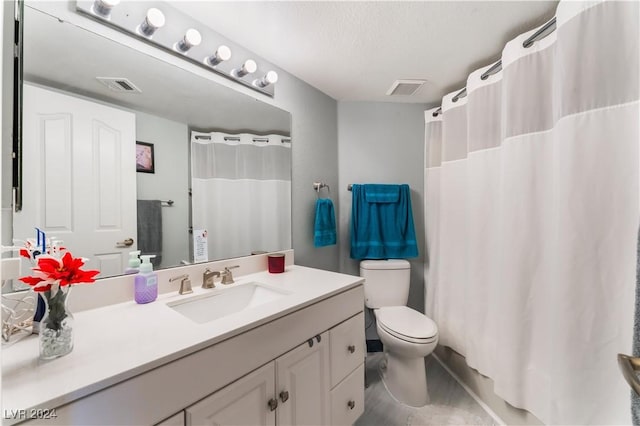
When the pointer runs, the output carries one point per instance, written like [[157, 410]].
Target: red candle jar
[[276, 263]]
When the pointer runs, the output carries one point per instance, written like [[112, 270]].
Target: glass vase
[[56, 326]]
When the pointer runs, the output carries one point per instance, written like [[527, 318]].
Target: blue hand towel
[[378, 193], [324, 232], [382, 230]]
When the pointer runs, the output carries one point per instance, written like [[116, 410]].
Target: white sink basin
[[226, 301]]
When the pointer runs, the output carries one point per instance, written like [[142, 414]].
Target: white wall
[[169, 182], [381, 143]]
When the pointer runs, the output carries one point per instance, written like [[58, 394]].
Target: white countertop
[[117, 342]]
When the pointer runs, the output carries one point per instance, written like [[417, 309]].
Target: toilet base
[[405, 379]]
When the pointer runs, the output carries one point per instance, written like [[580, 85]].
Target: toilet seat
[[407, 324]]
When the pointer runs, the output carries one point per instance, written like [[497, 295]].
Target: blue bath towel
[[377, 193], [382, 229], [324, 230]]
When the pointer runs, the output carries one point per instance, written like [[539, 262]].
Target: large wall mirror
[[110, 132]]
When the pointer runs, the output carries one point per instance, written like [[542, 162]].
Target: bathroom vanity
[[292, 354]]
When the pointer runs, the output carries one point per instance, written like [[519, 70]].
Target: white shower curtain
[[532, 204], [241, 192]]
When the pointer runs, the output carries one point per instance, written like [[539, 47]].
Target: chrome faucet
[[227, 276], [208, 278], [185, 283]]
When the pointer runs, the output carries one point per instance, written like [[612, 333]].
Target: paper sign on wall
[[200, 247]]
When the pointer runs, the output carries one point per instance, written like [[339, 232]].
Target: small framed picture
[[145, 162]]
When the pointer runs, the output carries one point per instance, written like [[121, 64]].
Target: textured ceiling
[[355, 50]]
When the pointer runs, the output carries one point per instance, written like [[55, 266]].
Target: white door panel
[[79, 181]]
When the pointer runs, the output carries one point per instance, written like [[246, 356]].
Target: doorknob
[[273, 404], [126, 243], [630, 367]]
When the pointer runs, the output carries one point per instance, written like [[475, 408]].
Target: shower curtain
[[241, 192], [532, 202]]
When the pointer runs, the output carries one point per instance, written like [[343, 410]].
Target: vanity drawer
[[347, 399], [347, 347]]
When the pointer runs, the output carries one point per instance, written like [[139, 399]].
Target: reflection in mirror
[[87, 101]]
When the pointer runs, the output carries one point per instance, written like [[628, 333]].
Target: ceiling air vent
[[119, 84], [405, 87]]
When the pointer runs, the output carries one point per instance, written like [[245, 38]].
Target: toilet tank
[[386, 282]]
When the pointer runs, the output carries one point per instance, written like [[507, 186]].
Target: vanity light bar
[[191, 39], [166, 27], [153, 21], [222, 54], [269, 78], [249, 67], [103, 7]]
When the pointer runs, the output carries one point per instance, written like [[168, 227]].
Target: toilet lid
[[403, 321]]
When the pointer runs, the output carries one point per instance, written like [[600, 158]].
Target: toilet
[[406, 334]]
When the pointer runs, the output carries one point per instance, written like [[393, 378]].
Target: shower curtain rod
[[544, 31]]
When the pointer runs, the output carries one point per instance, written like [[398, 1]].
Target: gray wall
[[314, 131], [169, 182], [382, 143]]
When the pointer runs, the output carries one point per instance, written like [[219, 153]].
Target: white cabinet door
[[244, 402], [79, 178], [303, 384]]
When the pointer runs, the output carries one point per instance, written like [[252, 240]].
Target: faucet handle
[[185, 283], [227, 275], [208, 278]]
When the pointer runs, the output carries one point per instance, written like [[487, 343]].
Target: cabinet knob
[[310, 342], [351, 404], [284, 396], [351, 349], [273, 404]]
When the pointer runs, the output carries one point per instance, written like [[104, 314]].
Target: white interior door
[[79, 177]]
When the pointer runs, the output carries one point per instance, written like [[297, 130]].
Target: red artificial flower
[[63, 271], [39, 284], [25, 253]]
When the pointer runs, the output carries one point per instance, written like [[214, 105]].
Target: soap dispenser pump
[[134, 263], [146, 281]]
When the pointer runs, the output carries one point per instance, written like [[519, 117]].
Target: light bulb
[[248, 67], [222, 54], [153, 21], [191, 38], [103, 7], [270, 77]]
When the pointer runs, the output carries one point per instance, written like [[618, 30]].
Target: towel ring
[[317, 186]]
